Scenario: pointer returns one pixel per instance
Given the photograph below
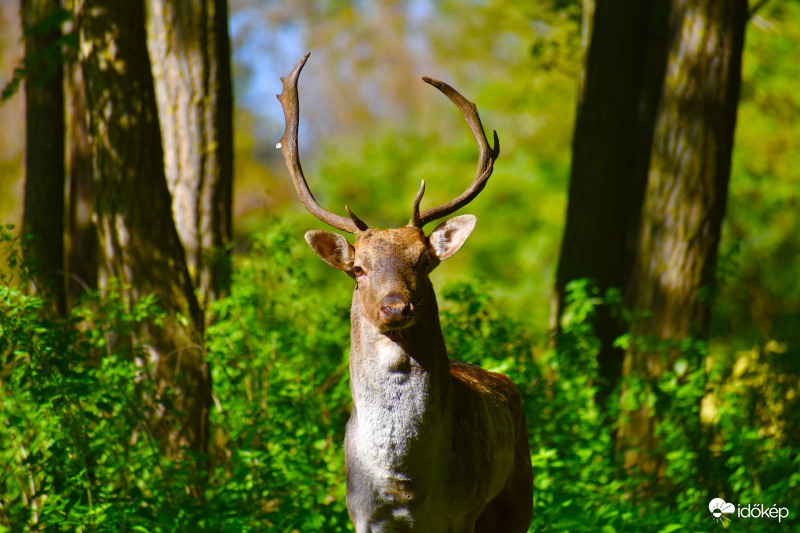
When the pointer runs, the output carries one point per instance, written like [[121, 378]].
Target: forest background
[[637, 420]]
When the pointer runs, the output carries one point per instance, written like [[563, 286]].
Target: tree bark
[[81, 232], [43, 217], [623, 41], [650, 169], [686, 195], [138, 242], [190, 53]]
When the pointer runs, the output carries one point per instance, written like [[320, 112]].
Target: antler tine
[[415, 209], [485, 164], [360, 224], [288, 147]]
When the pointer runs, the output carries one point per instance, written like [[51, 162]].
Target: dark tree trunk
[[687, 189], [623, 43], [43, 217], [650, 170], [81, 232], [139, 243], [190, 52]]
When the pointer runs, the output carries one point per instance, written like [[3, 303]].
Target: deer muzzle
[[395, 310]]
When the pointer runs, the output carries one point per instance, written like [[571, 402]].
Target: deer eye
[[358, 271]]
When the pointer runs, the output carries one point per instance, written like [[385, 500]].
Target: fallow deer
[[431, 445]]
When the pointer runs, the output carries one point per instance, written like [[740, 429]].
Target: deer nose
[[394, 308]]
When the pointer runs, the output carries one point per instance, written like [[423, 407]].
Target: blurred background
[[371, 130]]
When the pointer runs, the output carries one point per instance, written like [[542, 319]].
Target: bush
[[76, 455]]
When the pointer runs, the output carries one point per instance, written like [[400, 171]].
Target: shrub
[[75, 454]]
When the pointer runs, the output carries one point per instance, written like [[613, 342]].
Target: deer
[[431, 445]]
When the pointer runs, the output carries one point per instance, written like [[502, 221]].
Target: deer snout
[[394, 308]]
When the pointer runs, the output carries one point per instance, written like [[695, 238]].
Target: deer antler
[[288, 147], [485, 164]]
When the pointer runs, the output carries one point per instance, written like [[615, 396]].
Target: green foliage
[[75, 450], [76, 455], [762, 299], [74, 391], [723, 433], [278, 354]]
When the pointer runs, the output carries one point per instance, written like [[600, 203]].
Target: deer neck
[[414, 358], [400, 383]]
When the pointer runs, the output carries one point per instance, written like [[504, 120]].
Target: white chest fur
[[392, 406]]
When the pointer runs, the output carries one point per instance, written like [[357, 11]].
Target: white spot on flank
[[278, 145]]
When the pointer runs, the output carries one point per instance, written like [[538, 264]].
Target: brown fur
[[431, 445]]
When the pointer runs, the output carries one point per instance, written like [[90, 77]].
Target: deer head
[[390, 266]]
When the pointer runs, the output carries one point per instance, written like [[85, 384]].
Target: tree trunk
[[139, 243], [687, 188], [43, 217], [190, 54], [81, 232], [618, 93], [651, 162]]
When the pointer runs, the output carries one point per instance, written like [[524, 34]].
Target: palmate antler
[[353, 224]]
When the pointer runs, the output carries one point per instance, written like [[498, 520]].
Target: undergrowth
[[75, 453]]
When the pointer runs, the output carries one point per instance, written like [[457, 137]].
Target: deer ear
[[332, 248], [448, 236]]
